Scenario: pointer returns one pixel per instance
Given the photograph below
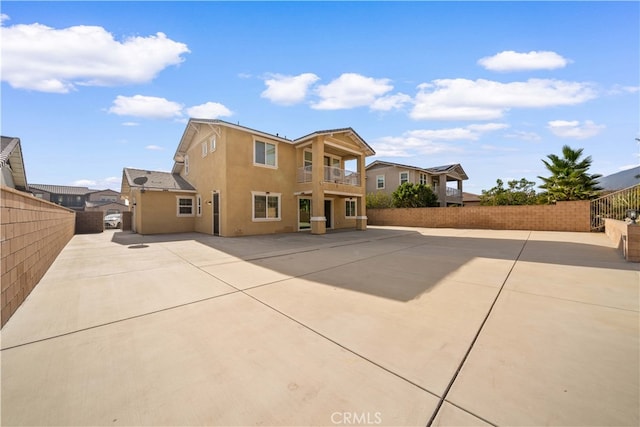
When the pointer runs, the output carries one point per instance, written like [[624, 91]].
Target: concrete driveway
[[392, 326]]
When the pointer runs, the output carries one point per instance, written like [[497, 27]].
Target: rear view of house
[[230, 180]]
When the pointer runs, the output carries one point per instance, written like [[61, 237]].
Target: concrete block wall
[[563, 216], [33, 232], [625, 236], [89, 222]]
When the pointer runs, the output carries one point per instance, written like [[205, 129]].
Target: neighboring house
[[230, 180], [12, 169], [620, 180], [80, 198], [470, 199], [387, 177]]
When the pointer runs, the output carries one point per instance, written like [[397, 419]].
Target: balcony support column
[[361, 203], [318, 219]]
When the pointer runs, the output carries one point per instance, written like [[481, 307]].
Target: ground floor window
[[266, 206], [184, 206], [198, 205], [350, 208]]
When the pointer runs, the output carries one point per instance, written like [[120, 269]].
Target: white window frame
[[378, 182], [204, 148], [198, 205], [265, 165], [267, 195], [401, 173], [424, 178], [186, 164], [178, 198], [354, 211], [212, 143]]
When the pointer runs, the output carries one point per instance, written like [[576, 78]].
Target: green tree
[[518, 192], [379, 200], [410, 195], [569, 178]]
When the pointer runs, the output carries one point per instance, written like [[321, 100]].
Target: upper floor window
[[186, 164], [265, 154], [213, 143], [204, 149], [404, 177], [423, 179], [380, 182]]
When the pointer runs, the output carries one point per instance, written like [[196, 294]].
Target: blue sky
[[92, 87]]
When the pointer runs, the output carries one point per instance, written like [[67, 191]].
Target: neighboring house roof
[[90, 204], [349, 131], [61, 189], [470, 197], [11, 154], [156, 180], [620, 180], [437, 170]]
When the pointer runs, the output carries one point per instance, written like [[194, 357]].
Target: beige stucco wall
[[155, 212]]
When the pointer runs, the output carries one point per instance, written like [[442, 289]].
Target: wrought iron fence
[[614, 206]]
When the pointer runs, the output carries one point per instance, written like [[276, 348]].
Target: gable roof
[[11, 154], [156, 180], [350, 133], [61, 189], [437, 170]]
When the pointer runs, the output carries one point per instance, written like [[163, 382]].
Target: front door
[[304, 214], [328, 213]]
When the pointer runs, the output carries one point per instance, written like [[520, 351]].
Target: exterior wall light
[[632, 214]]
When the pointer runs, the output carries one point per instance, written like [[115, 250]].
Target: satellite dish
[[141, 180]]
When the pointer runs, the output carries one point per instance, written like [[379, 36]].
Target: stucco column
[[361, 203], [442, 190], [318, 220]]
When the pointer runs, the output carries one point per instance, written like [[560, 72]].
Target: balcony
[[331, 174], [454, 193]]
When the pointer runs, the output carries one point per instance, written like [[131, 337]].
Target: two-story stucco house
[[230, 180], [387, 177]]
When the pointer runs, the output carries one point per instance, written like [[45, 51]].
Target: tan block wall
[[563, 216], [89, 222], [33, 232], [625, 236]]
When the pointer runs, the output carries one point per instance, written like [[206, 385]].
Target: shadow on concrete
[[398, 264]]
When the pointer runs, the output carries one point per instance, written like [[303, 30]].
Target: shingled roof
[[156, 180]]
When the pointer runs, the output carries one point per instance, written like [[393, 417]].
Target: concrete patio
[[392, 326]]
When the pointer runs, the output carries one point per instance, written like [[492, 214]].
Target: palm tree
[[569, 179]]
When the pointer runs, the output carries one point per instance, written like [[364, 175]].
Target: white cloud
[[574, 129], [83, 183], [41, 58], [146, 106], [154, 148], [627, 167], [463, 99], [130, 124], [209, 110], [509, 60], [620, 89], [523, 135], [4, 17], [288, 90], [350, 90], [431, 141], [390, 102]]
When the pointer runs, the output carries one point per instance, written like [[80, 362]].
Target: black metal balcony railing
[[331, 174], [614, 206]]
